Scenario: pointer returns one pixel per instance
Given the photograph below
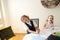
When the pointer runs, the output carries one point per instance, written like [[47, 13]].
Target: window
[[1, 21]]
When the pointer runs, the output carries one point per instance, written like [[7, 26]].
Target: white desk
[[43, 34], [46, 32]]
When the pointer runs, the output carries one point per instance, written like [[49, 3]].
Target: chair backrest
[[6, 33], [36, 20]]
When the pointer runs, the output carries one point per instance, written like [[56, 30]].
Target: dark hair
[[25, 16]]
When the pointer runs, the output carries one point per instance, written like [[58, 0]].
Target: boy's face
[[25, 19]]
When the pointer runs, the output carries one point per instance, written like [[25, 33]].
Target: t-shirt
[[49, 25]]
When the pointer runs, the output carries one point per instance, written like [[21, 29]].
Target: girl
[[49, 22], [31, 25]]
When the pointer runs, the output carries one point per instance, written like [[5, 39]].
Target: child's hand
[[34, 33]]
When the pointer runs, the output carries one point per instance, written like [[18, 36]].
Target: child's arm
[[31, 31], [44, 26], [37, 30], [36, 27]]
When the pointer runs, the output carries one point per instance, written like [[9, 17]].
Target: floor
[[19, 36]]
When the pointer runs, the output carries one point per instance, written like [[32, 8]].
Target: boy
[[32, 26]]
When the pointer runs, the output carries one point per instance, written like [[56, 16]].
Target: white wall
[[32, 8]]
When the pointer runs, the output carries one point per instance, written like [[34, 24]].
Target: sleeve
[[35, 24], [25, 28]]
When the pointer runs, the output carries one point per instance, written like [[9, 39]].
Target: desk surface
[[48, 32]]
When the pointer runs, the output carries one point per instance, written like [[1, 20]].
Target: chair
[[36, 20], [6, 33]]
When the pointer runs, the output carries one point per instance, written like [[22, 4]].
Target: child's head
[[50, 18], [25, 18]]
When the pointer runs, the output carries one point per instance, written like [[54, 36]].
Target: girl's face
[[50, 18], [25, 19]]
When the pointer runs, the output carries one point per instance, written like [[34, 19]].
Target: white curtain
[[3, 12]]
